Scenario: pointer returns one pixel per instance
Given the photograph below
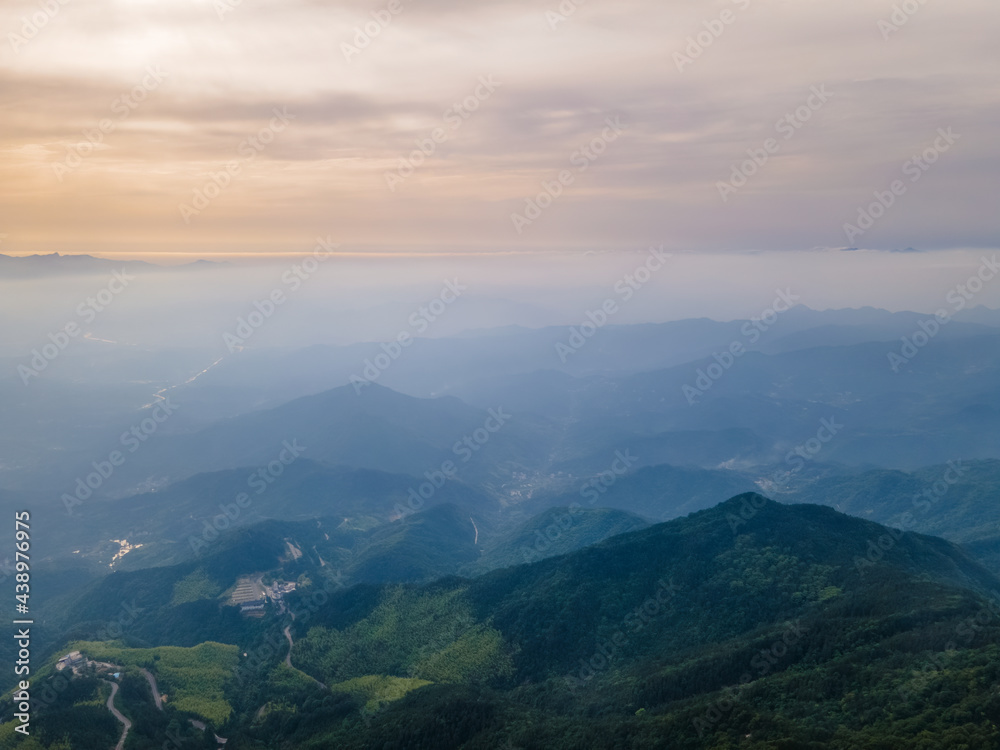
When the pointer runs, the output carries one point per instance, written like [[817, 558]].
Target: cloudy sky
[[121, 118]]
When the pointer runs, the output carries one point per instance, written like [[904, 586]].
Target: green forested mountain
[[659, 493], [552, 532], [165, 521], [751, 624], [957, 501], [419, 546], [371, 428]]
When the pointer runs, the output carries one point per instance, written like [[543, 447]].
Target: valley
[[500, 375], [584, 554]]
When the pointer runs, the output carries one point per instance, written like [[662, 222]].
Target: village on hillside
[[252, 595]]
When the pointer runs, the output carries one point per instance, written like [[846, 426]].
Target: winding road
[[117, 713], [157, 698], [291, 643], [288, 662], [288, 657]]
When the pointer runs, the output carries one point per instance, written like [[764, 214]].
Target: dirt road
[[288, 657], [118, 714], [152, 684]]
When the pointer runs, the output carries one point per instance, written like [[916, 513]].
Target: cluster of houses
[[253, 608], [73, 660], [252, 598], [277, 592]]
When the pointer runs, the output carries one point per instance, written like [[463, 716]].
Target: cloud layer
[[701, 88]]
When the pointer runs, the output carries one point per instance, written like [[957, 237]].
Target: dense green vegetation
[[377, 691], [190, 679], [416, 547], [70, 713], [658, 492], [194, 587], [752, 624], [525, 601], [75, 718], [555, 531], [957, 501], [430, 635], [178, 605], [622, 644]]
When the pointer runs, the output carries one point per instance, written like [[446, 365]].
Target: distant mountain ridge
[[957, 501], [57, 264]]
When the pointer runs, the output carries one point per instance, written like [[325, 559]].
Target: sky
[[205, 127]]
